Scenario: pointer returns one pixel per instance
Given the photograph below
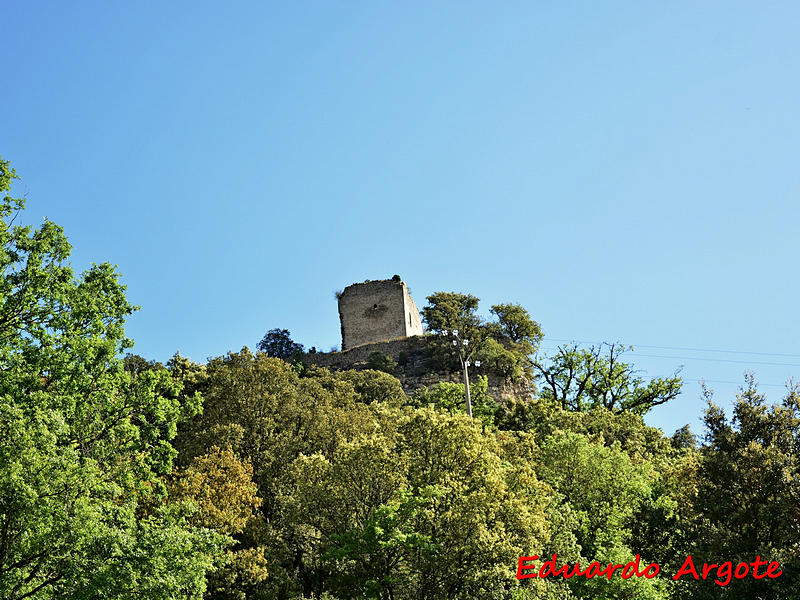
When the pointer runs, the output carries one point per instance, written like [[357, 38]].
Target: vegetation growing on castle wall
[[381, 361]]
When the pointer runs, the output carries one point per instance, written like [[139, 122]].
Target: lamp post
[[464, 354]]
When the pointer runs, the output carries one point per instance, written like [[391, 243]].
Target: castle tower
[[375, 311]]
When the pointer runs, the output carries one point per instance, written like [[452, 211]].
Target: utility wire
[[690, 358], [683, 348], [782, 385], [725, 360]]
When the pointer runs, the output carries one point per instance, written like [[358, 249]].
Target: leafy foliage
[[353, 503], [304, 483], [451, 310], [605, 491], [747, 484], [397, 514], [83, 442], [278, 343], [222, 488], [581, 379], [503, 346], [380, 361], [375, 386], [450, 397]]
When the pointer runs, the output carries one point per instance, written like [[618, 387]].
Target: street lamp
[[465, 352]]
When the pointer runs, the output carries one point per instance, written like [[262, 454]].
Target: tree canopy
[[584, 378], [247, 478], [84, 444], [504, 345], [278, 343]]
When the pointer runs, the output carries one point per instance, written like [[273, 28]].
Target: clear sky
[[625, 170]]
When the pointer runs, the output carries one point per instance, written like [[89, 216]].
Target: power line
[[700, 358], [725, 360], [685, 348], [782, 385]]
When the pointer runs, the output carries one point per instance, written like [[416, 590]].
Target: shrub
[[382, 362]]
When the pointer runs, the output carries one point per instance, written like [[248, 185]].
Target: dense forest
[[257, 476]]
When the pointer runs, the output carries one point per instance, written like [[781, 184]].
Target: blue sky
[[625, 170]]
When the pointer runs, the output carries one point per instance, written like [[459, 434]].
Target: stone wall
[[377, 310], [413, 368], [414, 321]]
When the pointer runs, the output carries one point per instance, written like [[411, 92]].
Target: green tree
[[584, 378], [503, 346], [747, 487], [433, 509], [449, 396], [604, 490], [511, 342], [364, 496], [222, 488], [135, 364], [269, 416], [83, 443], [514, 324], [449, 312], [375, 386], [486, 505], [653, 513], [684, 438], [452, 310], [278, 343], [545, 418]]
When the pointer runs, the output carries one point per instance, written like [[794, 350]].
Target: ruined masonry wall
[[414, 321], [375, 311]]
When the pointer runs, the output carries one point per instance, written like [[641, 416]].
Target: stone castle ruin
[[376, 311], [379, 318]]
